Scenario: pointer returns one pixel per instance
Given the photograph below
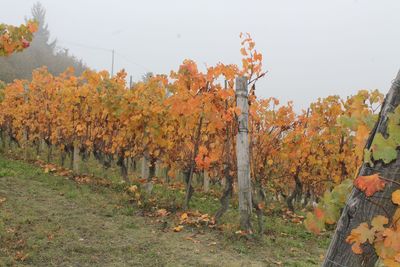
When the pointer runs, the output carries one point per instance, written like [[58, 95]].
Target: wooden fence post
[[242, 152], [359, 208]]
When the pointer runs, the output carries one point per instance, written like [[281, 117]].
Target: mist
[[311, 48]]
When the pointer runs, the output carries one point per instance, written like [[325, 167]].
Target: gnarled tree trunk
[[226, 196], [75, 159], [152, 168], [123, 168], [206, 181], [296, 192]]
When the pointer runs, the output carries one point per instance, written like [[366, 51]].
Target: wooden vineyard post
[[242, 152], [359, 208]]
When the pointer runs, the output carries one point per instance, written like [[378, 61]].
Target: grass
[[49, 220]]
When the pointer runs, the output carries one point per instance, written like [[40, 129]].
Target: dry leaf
[[178, 228]]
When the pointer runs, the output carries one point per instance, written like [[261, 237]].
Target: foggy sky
[[311, 48]]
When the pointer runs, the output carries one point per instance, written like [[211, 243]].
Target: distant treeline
[[42, 52]]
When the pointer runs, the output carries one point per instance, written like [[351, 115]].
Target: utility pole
[[112, 63]]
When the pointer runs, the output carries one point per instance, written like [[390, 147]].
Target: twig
[[258, 77]]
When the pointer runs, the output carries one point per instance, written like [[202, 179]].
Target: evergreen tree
[[42, 52]]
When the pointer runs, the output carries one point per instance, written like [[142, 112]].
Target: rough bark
[[145, 166], [63, 156], [49, 152], [146, 173], [189, 192], [26, 145], [133, 166], [226, 196], [3, 140], [295, 194], [228, 178], [359, 208], [189, 187], [166, 175], [76, 159], [307, 198], [37, 147], [258, 198], [152, 168], [242, 152], [225, 199], [71, 162], [206, 181], [123, 168]]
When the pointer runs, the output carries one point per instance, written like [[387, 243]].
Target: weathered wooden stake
[[242, 152], [361, 209]]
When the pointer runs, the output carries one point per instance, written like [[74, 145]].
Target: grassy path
[[47, 220]]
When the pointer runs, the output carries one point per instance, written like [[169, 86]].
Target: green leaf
[[349, 122], [370, 120], [394, 126], [384, 149], [367, 157]]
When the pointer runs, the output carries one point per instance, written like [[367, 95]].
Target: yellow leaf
[[396, 197], [178, 228], [132, 188], [184, 216], [378, 222]]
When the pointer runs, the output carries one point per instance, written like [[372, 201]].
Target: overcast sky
[[311, 48]]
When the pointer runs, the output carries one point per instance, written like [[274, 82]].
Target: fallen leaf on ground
[[178, 228]]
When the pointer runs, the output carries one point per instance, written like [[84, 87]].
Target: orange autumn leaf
[[33, 26], [356, 248], [313, 224], [369, 184], [392, 238], [162, 212], [319, 213]]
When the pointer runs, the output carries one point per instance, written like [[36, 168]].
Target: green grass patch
[[49, 220]]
